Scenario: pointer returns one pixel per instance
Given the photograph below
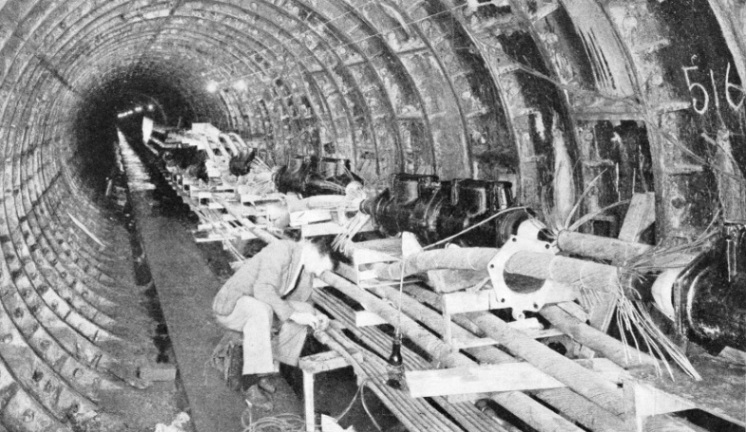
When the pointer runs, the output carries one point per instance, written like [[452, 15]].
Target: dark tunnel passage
[[568, 100], [95, 118]]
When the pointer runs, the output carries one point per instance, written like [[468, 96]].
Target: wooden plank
[[236, 235], [575, 310], [305, 217], [530, 327], [308, 401], [640, 215], [462, 302], [318, 283], [733, 355], [391, 246], [226, 219], [610, 370], [320, 229], [367, 319], [362, 256], [721, 393], [478, 379], [325, 361], [225, 189], [649, 401], [605, 367]]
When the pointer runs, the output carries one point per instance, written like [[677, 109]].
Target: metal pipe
[[571, 271], [578, 273], [475, 259], [603, 248]]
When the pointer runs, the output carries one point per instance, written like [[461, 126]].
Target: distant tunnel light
[[151, 107], [240, 85], [212, 87], [138, 109], [126, 113]]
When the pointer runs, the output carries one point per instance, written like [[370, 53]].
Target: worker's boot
[[235, 366], [257, 398], [267, 383]]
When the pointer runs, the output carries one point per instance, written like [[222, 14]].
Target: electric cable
[[275, 423]]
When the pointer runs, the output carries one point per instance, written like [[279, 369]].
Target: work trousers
[[263, 343]]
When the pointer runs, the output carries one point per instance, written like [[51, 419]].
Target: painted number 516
[[698, 91]]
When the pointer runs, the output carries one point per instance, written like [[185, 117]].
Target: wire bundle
[[276, 423]]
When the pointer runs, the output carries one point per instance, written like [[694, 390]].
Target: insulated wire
[[276, 423], [401, 289], [360, 393], [367, 410]]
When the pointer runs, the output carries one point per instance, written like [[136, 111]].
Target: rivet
[[678, 202], [28, 415], [37, 376]]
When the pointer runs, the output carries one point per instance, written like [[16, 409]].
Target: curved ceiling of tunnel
[[549, 94]]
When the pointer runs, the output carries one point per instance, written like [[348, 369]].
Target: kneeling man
[[269, 291]]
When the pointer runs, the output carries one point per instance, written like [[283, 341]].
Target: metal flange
[[522, 293]]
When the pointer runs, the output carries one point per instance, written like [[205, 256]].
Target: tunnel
[[569, 101]]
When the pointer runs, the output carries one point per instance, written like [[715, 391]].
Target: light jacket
[[267, 277]]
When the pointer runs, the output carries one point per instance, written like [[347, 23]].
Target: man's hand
[[317, 322]]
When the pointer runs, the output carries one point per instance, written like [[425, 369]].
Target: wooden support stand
[[647, 401], [366, 255], [315, 364], [320, 229], [478, 379], [476, 382], [463, 302], [306, 217]]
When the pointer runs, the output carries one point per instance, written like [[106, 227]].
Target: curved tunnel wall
[[644, 95]]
